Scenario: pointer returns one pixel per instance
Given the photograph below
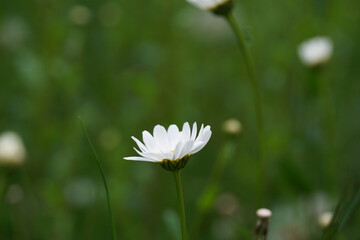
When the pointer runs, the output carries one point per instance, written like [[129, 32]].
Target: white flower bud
[[315, 51], [262, 225], [232, 126], [12, 150], [264, 213], [325, 219]]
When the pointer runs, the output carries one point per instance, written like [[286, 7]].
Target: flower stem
[[181, 203], [256, 93]]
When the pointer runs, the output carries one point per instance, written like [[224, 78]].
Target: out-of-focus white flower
[[232, 126], [325, 219], [315, 51], [264, 213], [80, 15], [171, 147], [12, 150], [216, 6]]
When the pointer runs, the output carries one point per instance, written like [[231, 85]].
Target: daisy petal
[[139, 159], [140, 144], [186, 132], [178, 149], [150, 155], [149, 141], [161, 137], [174, 136], [194, 131], [201, 131], [186, 149], [168, 155], [197, 147], [206, 135]]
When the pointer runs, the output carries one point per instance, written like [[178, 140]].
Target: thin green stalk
[[249, 64], [113, 226], [181, 203]]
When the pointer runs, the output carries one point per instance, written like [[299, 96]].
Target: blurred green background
[[125, 66]]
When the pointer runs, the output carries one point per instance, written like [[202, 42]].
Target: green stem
[[113, 226], [181, 203], [256, 93]]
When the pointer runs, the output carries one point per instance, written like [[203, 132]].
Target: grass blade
[[112, 220]]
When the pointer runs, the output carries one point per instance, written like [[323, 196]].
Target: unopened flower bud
[[315, 51], [12, 150], [262, 224], [325, 219], [264, 213], [232, 126]]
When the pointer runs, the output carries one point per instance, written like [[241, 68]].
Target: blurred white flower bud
[[262, 225], [325, 219], [315, 51], [80, 15], [263, 213], [12, 150], [232, 126]]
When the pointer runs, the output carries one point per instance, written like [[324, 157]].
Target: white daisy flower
[[216, 6], [12, 150], [315, 51], [171, 147]]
